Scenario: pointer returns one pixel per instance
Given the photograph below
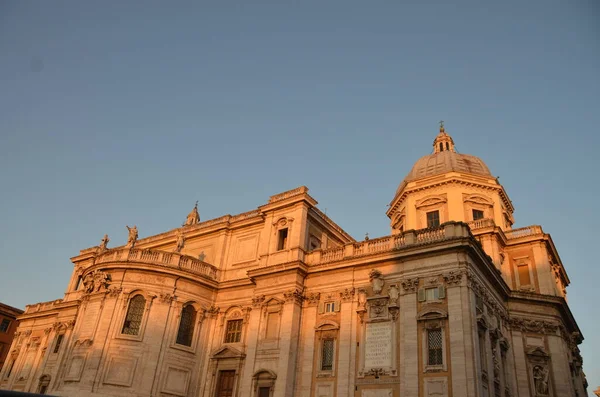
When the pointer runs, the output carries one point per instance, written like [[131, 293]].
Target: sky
[[121, 113]]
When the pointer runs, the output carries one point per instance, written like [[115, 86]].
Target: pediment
[[227, 352], [537, 351], [478, 199], [431, 200], [432, 314]]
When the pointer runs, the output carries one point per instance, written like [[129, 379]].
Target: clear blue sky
[[115, 113]]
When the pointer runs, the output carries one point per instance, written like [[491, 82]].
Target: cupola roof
[[445, 159]]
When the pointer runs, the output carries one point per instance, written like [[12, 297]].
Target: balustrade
[[159, 258]]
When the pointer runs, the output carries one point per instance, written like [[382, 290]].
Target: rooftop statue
[[133, 235]]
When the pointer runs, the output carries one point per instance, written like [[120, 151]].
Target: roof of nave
[[278, 199]]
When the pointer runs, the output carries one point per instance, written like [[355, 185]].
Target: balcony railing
[[481, 223], [160, 258], [534, 230], [388, 243]]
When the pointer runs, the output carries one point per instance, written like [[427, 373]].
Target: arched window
[[441, 147], [135, 312], [186, 326]]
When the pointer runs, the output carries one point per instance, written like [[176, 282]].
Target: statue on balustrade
[[103, 243], [133, 235], [180, 241]]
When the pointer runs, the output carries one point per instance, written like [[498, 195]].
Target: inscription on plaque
[[377, 393], [378, 345], [89, 320]]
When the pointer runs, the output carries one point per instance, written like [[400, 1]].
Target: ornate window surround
[[196, 329], [429, 319], [431, 203], [326, 330], [123, 315], [272, 306], [234, 313], [523, 261], [478, 202], [282, 222]]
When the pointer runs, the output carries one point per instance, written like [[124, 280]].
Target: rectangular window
[[10, 368], [434, 347], [4, 325], [329, 307], [78, 284], [482, 350], [477, 214], [524, 278], [431, 294], [327, 355], [282, 240], [433, 219], [233, 334], [59, 340]]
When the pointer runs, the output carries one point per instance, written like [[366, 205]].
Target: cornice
[[399, 198], [289, 267]]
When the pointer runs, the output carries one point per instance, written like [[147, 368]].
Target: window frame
[[436, 218], [123, 315], [326, 331], [192, 326], [6, 321], [238, 332], [430, 331], [479, 212], [282, 240], [57, 343]]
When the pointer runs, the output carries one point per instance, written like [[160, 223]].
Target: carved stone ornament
[[378, 308], [294, 295], [453, 278], [540, 380], [377, 282], [312, 298], [536, 326], [362, 299], [84, 342], [96, 280], [376, 372], [410, 284], [213, 310], [167, 298], [393, 294], [70, 324], [114, 292], [258, 300], [47, 330], [347, 294]]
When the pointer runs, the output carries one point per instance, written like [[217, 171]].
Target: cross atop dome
[[443, 142]]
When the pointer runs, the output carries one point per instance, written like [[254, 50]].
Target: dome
[[443, 160]]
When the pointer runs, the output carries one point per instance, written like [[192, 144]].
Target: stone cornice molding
[[496, 307], [399, 198]]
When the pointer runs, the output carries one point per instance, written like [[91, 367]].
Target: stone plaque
[[377, 393], [378, 345]]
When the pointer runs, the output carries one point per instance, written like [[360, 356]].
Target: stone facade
[[8, 326], [280, 301]]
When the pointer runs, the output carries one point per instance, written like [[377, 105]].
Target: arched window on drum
[[185, 333], [135, 313]]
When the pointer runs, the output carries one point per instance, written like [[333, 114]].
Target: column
[[345, 345], [288, 349], [461, 340], [409, 351], [252, 337], [306, 348], [521, 369]]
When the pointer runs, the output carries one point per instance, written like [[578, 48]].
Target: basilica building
[[281, 301]]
